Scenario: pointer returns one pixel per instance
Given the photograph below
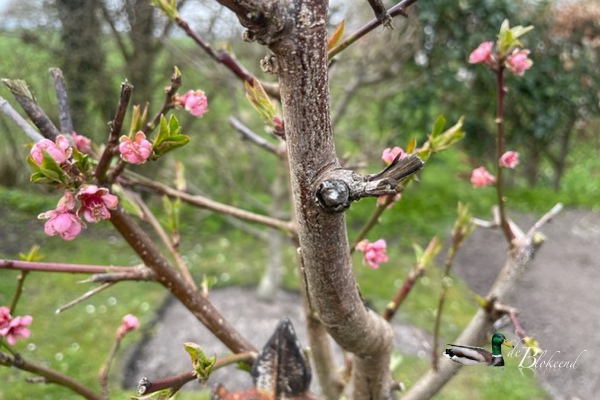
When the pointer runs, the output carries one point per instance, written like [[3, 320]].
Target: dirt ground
[[557, 298]]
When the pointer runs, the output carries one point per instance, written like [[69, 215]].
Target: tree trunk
[[301, 58]]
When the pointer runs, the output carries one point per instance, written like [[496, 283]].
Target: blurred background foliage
[[387, 88]]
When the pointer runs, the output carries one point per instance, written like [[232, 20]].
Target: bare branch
[[50, 375], [60, 267], [252, 137], [198, 305], [115, 129], [221, 208], [20, 121], [64, 112], [398, 9], [517, 260], [20, 91], [84, 296]]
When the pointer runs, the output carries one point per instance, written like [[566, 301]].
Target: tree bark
[[301, 61]]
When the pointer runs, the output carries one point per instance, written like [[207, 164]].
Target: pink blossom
[[82, 143], [95, 203], [194, 102], [382, 200], [15, 328], [480, 177], [4, 316], [129, 323], [482, 54], [510, 159], [389, 154], [374, 253], [63, 221], [517, 62], [135, 151], [60, 150]]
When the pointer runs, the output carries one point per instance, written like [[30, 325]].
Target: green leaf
[[200, 363], [164, 394], [410, 147], [259, 99], [169, 137], [335, 37], [438, 125]]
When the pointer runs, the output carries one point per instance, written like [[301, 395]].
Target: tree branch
[[64, 112], [20, 91], [398, 9], [252, 137], [113, 136], [12, 114], [50, 375], [198, 305], [517, 260], [60, 267], [215, 206]]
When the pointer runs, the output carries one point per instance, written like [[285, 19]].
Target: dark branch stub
[[339, 188], [333, 196]]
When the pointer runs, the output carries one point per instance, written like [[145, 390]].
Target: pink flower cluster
[[517, 62], [66, 223], [60, 150], [374, 253], [129, 323], [194, 102], [135, 151], [13, 328]]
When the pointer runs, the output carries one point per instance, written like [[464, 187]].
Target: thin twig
[[136, 274], [215, 206], [18, 291], [175, 382], [500, 200], [104, 370], [113, 136], [170, 91], [50, 375], [64, 113], [398, 9], [12, 114], [223, 57], [20, 91], [59, 267], [167, 241], [84, 296], [252, 137]]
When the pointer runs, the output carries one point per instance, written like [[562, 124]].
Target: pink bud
[[60, 150], [82, 143], [194, 102], [480, 177], [517, 62], [510, 159], [382, 200], [63, 221], [129, 323], [482, 54], [374, 253], [135, 151], [390, 154]]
